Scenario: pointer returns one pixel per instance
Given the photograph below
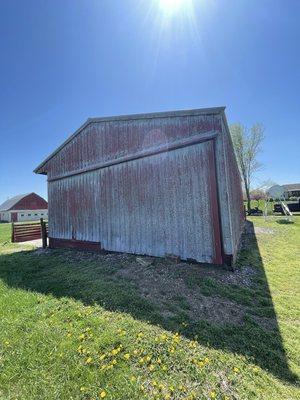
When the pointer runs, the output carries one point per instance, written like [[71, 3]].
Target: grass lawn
[[82, 326]]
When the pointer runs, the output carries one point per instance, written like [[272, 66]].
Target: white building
[[24, 207]]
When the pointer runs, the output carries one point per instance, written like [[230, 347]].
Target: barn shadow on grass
[[220, 308]]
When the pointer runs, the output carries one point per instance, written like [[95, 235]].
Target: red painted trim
[[214, 201], [55, 243], [26, 232]]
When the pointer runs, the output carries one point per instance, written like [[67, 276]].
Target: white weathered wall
[[35, 215], [155, 205], [4, 216]]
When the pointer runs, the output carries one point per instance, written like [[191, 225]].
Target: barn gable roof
[[201, 111], [8, 204]]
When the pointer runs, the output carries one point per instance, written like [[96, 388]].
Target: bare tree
[[247, 145]]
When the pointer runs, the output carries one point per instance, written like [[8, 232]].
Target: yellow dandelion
[[206, 360], [127, 356], [200, 364], [176, 338], [135, 352], [164, 368], [82, 336], [148, 358], [133, 379], [151, 367], [213, 395], [171, 388], [235, 369], [82, 389], [88, 360], [114, 361], [102, 356], [102, 394], [154, 383], [141, 360]]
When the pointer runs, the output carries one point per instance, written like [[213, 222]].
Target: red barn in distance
[[24, 207], [153, 184]]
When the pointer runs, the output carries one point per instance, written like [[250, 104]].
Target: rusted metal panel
[[150, 184], [74, 244], [235, 195], [25, 232], [156, 205], [106, 141], [229, 193]]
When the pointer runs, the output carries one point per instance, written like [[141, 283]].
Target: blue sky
[[63, 61]]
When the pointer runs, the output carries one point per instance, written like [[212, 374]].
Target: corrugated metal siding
[[234, 193], [105, 141], [154, 205]]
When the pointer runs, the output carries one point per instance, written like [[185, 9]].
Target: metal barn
[[156, 184]]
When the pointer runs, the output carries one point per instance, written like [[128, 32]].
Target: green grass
[[73, 326], [5, 233]]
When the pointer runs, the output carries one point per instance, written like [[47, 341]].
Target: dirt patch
[[242, 276], [192, 291], [166, 285]]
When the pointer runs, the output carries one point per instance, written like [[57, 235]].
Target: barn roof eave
[[10, 203], [208, 111]]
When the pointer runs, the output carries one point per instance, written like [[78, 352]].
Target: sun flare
[[170, 6]]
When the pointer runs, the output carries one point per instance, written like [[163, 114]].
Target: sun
[[170, 6]]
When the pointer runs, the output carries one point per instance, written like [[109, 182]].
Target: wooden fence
[[22, 232]]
